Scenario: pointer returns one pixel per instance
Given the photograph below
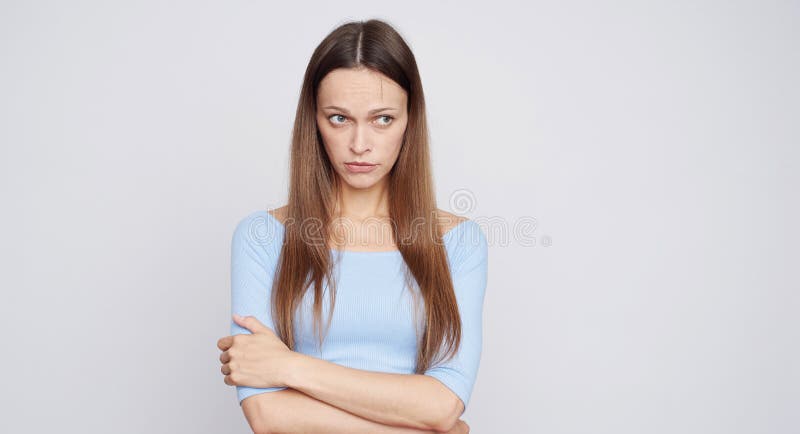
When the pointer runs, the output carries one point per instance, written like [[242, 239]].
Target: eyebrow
[[348, 112]]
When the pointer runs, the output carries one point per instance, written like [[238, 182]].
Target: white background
[[655, 144]]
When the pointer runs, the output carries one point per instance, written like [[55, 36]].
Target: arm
[[404, 400], [290, 411], [434, 400], [254, 252]]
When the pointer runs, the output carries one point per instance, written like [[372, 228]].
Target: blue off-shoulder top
[[373, 325]]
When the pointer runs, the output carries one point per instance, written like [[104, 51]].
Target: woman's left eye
[[389, 121]]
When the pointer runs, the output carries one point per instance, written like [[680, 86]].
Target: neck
[[359, 204]]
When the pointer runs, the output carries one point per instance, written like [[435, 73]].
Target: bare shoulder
[[449, 220], [446, 220], [279, 213]]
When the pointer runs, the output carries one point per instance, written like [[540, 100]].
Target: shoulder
[[258, 231], [460, 228], [279, 213], [464, 239], [448, 221]]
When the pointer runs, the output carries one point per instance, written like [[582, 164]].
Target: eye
[[334, 117], [388, 122]]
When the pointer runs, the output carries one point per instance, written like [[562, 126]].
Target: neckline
[[376, 252]]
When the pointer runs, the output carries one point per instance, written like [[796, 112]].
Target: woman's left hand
[[259, 359]]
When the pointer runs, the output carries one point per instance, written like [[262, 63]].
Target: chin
[[360, 185], [360, 181]]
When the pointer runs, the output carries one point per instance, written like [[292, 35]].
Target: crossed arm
[[278, 412], [333, 398], [414, 401], [272, 413]]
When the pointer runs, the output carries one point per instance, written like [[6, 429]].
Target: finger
[[229, 381], [225, 357], [253, 324], [257, 326], [225, 369], [225, 343], [241, 321]]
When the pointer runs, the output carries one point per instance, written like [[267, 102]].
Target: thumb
[[250, 322]]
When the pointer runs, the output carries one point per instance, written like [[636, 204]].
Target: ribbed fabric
[[372, 326]]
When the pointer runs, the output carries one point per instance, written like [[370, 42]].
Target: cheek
[[331, 141], [335, 143], [394, 144], [395, 140]]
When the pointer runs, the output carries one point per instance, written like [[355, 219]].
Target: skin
[[362, 116], [261, 359]]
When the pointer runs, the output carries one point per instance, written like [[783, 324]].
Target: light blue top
[[372, 326]]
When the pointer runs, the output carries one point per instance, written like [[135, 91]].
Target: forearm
[[300, 413], [404, 400]]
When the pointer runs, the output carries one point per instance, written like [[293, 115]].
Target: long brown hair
[[313, 190]]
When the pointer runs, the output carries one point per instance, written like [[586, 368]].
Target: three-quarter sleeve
[[254, 252], [469, 270]]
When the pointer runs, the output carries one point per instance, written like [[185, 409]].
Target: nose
[[359, 145]]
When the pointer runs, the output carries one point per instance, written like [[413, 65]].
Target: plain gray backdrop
[[652, 145]]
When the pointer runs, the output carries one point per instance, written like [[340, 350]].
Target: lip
[[359, 167]]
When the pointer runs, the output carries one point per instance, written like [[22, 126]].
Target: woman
[[401, 345]]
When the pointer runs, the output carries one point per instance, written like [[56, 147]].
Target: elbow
[[258, 430], [449, 417], [260, 425], [260, 421], [257, 423]]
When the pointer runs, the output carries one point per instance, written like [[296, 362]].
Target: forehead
[[359, 89]]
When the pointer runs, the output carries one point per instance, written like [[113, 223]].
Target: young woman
[[362, 245]]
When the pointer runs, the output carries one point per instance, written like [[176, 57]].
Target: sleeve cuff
[[243, 392]]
